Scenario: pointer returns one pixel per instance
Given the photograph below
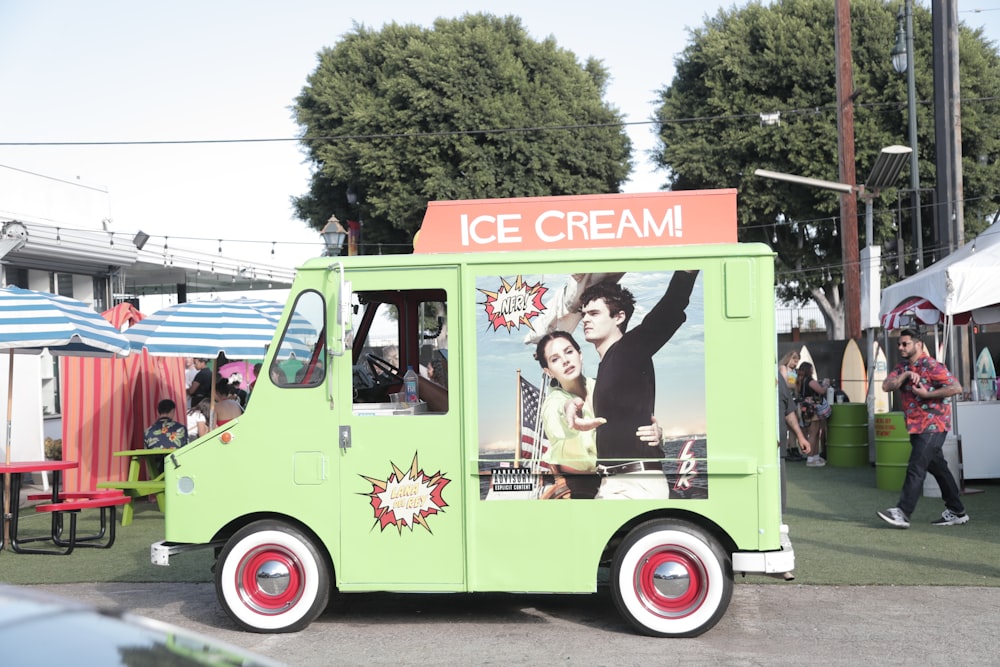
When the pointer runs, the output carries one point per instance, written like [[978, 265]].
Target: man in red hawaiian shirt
[[165, 431], [924, 386]]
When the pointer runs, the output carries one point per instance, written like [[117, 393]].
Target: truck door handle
[[345, 437]]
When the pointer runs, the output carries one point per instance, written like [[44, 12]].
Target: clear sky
[[120, 70]]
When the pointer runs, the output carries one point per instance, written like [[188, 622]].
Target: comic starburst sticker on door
[[407, 498]]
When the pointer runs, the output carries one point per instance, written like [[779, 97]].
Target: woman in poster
[[567, 415]]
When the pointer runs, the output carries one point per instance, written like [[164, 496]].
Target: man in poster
[[626, 384]]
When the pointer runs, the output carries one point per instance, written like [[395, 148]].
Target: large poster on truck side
[[591, 386]]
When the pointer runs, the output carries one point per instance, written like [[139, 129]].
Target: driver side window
[[378, 369], [400, 330]]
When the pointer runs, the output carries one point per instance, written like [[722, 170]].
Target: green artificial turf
[[126, 561], [838, 539]]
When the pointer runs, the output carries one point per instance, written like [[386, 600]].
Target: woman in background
[[810, 391], [227, 408], [787, 368], [197, 420]]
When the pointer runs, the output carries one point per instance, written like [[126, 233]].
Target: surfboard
[[853, 374], [986, 376], [881, 370], [804, 356]]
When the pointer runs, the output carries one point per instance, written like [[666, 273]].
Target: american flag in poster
[[532, 434]]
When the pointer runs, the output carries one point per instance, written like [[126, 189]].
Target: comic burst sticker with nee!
[[407, 498], [514, 304]]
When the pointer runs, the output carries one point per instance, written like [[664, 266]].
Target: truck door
[[400, 464]]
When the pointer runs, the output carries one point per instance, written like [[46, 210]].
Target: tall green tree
[[779, 59], [472, 108]]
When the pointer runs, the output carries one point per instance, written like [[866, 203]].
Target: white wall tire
[[270, 577], [671, 579]]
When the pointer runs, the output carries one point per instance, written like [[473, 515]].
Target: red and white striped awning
[[917, 310]]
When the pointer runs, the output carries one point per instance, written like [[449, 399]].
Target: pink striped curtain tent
[[108, 403]]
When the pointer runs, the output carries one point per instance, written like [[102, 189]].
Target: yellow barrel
[[847, 435], [892, 450]]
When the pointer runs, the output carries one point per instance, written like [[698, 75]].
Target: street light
[[884, 172], [804, 180], [887, 166], [333, 237], [902, 61], [899, 53]]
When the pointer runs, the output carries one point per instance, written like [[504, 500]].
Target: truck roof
[[708, 250]]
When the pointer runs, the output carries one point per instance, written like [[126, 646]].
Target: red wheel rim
[[263, 564], [671, 582]]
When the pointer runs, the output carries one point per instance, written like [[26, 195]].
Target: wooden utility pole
[[949, 216], [845, 152]]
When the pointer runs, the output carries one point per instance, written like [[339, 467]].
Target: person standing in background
[[924, 386], [810, 391], [788, 374], [788, 422], [189, 371], [201, 386], [788, 415]]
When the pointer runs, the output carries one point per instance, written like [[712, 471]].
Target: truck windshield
[[299, 361]]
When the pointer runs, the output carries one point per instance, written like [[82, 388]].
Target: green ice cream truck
[[550, 394]]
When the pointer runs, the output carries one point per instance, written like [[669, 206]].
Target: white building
[[57, 237]]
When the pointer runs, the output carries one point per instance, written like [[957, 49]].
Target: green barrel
[[847, 435], [892, 450]]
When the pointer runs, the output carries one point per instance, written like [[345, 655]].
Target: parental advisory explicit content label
[[511, 479]]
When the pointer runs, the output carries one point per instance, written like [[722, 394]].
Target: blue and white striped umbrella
[[241, 328], [300, 334], [33, 321]]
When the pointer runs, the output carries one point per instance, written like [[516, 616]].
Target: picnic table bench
[[72, 504], [133, 487]]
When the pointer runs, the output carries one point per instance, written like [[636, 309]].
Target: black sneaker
[[949, 518], [895, 517]]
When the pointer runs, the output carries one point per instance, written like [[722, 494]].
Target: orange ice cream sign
[[579, 221]]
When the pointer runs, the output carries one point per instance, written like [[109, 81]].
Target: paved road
[[780, 624]]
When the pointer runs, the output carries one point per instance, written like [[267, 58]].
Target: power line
[[341, 137], [53, 178], [813, 110]]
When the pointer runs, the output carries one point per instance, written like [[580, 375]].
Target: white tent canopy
[[968, 280]]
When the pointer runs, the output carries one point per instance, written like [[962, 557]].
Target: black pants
[[926, 457]]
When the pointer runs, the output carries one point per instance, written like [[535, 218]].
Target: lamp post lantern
[[333, 237], [902, 61]]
